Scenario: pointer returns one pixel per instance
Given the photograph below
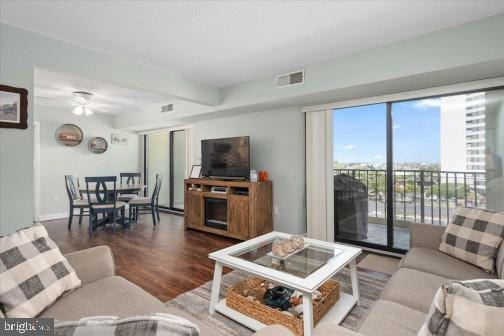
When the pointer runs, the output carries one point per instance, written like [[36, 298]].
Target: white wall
[[463, 53], [277, 143], [57, 160]]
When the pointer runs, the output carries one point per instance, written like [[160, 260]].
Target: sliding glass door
[[158, 162], [360, 151], [165, 154], [415, 161], [178, 164]]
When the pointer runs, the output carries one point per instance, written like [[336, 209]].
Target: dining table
[[119, 189]]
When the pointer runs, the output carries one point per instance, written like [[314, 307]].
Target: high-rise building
[[463, 133]]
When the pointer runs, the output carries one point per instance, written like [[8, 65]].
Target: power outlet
[[275, 210]]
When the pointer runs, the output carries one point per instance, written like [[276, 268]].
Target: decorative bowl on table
[[282, 249]]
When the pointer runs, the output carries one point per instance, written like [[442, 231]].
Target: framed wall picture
[[119, 139], [13, 107], [195, 171]]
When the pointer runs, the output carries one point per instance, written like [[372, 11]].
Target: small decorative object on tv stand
[[243, 211]]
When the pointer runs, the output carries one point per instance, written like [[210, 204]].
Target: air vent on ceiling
[[289, 79], [167, 108]]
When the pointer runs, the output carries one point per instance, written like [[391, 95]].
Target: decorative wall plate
[[69, 135], [98, 145]]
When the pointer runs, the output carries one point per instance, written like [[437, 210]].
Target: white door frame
[[36, 171]]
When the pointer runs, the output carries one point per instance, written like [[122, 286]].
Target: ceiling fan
[[83, 100], [76, 98]]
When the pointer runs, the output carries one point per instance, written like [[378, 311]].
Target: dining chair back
[[147, 204], [75, 198], [130, 178], [157, 188], [101, 194], [103, 199], [72, 187]]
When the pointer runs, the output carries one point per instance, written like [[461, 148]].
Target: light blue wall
[[20, 53], [277, 145]]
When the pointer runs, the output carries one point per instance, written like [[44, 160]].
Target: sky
[[360, 132]]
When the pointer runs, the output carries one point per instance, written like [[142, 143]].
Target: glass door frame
[[389, 199], [171, 169]]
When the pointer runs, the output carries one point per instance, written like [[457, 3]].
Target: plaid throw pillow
[[151, 325], [473, 235], [473, 307], [33, 272]]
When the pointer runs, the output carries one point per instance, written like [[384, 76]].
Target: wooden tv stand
[[243, 211]]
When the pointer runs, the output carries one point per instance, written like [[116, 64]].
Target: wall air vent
[[289, 79], [167, 108]]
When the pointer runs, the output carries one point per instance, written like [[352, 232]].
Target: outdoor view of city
[[440, 161]]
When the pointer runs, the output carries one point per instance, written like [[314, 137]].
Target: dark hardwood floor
[[165, 261]]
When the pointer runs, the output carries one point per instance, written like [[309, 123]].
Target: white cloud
[[349, 147], [377, 157], [428, 103], [396, 126]]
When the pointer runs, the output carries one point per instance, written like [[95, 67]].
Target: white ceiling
[[56, 90], [225, 42]]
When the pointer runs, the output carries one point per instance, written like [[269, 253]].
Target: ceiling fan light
[[88, 111], [79, 110]]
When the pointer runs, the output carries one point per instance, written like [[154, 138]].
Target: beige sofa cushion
[[92, 264], [114, 296], [392, 319], [439, 263], [412, 288]]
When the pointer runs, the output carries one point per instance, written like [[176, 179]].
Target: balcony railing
[[420, 196]]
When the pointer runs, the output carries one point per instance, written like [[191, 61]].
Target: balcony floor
[[377, 234]]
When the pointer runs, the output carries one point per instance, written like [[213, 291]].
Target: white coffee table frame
[[306, 285]]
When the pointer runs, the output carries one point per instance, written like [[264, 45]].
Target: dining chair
[[76, 200], [103, 200], [147, 204], [129, 178]]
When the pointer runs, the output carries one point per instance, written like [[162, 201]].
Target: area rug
[[196, 302], [379, 263]]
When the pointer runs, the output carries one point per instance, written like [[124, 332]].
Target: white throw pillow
[[473, 235], [472, 307], [149, 325], [33, 272]]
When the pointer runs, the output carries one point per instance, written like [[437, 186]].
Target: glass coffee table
[[304, 271]]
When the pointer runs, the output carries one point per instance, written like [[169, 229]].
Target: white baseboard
[[43, 218]]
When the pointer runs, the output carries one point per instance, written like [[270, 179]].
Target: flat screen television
[[226, 158]]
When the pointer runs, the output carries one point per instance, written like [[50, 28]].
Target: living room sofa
[[407, 297], [104, 293]]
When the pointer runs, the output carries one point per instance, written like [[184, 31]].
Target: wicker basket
[[330, 294]]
